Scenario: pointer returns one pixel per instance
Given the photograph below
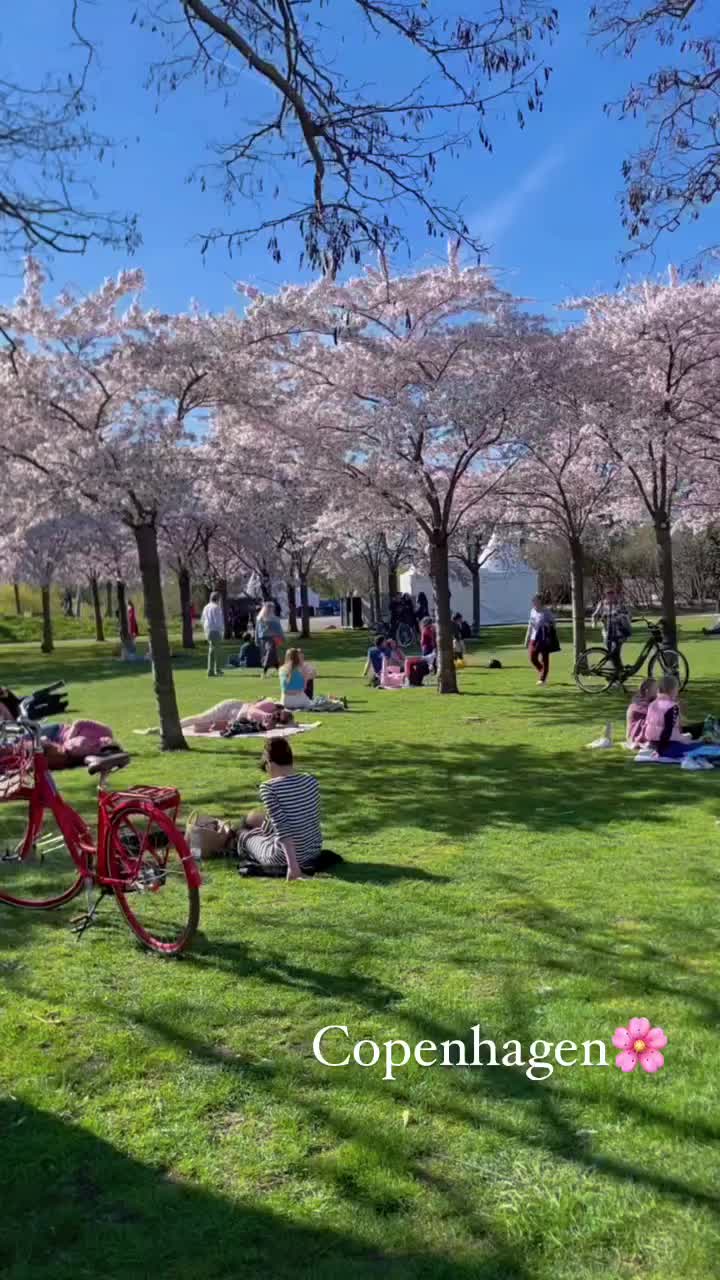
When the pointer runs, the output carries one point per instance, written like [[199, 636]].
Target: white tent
[[279, 593], [507, 586]]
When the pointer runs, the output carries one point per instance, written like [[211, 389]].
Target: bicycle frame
[[650, 644], [91, 857]]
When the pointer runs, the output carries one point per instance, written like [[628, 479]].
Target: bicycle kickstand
[[80, 923]]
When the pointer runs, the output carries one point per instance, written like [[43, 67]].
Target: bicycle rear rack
[[166, 798]]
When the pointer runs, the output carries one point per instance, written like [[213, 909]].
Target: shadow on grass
[[460, 790], [84, 1208]]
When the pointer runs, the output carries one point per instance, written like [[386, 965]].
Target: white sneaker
[[645, 754], [605, 742], [692, 764]]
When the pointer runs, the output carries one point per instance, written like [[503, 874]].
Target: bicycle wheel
[[594, 671], [148, 862], [669, 662], [37, 871], [405, 635]]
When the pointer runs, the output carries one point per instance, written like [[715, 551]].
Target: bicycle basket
[[16, 768]]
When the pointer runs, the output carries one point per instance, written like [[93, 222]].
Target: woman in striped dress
[[288, 831]]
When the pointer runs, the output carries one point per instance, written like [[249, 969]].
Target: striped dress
[[293, 812]]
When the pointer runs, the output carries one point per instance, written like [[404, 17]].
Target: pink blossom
[[641, 1043]]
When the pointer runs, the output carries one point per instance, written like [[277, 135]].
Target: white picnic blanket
[[286, 731]]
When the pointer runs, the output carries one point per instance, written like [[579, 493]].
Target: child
[[637, 714], [662, 723]]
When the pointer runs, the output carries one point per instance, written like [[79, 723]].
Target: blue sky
[[545, 200]]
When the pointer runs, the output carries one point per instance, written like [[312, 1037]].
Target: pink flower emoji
[[640, 1043]]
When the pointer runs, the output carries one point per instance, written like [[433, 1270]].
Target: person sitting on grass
[[249, 655], [637, 714], [663, 733], [394, 657], [375, 657], [287, 832], [293, 679]]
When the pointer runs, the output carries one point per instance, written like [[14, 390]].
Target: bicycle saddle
[[107, 763]]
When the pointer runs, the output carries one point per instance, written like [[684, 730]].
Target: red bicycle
[[139, 856]]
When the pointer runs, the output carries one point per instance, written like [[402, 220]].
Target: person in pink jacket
[[662, 722], [637, 714]]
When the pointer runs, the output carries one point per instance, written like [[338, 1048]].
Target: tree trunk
[[475, 575], [97, 608], [663, 538], [48, 644], [304, 607], [392, 581], [577, 574], [108, 599], [292, 606], [127, 644], [188, 639], [18, 607], [171, 734], [375, 592], [78, 602], [440, 576]]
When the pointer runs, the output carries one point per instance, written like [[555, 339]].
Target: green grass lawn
[[169, 1118]]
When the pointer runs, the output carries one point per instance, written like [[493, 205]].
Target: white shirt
[[213, 619]]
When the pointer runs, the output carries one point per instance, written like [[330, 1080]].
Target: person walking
[[213, 624], [270, 637], [132, 622], [539, 637], [614, 617]]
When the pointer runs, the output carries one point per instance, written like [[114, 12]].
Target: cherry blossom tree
[[566, 475], [390, 383], [656, 347], [100, 399], [37, 553]]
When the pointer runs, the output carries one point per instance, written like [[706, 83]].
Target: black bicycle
[[400, 631], [596, 672]]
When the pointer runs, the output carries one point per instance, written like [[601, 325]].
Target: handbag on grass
[[214, 839]]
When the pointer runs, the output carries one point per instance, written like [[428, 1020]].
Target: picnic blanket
[[285, 731]]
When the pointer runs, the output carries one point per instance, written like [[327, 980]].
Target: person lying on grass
[[217, 719], [65, 745], [287, 831]]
